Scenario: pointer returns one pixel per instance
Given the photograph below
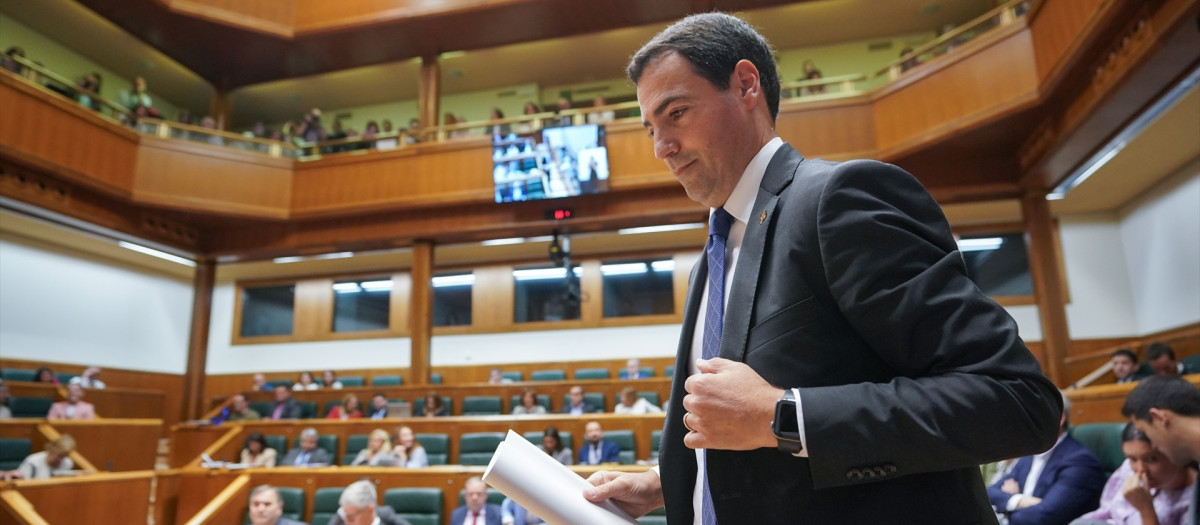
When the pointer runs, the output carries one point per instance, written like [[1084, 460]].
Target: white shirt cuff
[[654, 469], [1012, 502], [800, 425]]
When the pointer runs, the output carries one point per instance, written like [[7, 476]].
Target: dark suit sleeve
[[964, 388], [292, 410], [321, 455], [612, 453]]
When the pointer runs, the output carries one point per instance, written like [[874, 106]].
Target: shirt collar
[[740, 203], [1046, 455]]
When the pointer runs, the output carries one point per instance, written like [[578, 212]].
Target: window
[[998, 264], [361, 305], [638, 288], [452, 299], [546, 294], [268, 310]]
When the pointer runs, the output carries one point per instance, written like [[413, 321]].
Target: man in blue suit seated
[[1051, 488], [477, 511], [266, 507], [595, 449]]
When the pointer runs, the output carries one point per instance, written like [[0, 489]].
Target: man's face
[[239, 403], [705, 135], [593, 432], [265, 508], [379, 402], [576, 396], [353, 515], [74, 393], [1123, 366], [282, 393], [260, 379], [1165, 366], [476, 495], [308, 443], [1158, 429]]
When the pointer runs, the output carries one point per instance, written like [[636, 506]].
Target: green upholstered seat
[[437, 447], [325, 504], [13, 451], [417, 505], [548, 375], [476, 448], [387, 380], [481, 406], [22, 406], [592, 373]]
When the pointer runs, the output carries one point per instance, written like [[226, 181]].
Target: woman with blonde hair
[[378, 452]]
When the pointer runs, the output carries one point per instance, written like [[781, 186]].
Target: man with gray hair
[[266, 507], [307, 454], [357, 506]]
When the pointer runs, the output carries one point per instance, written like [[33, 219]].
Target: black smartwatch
[[785, 426]]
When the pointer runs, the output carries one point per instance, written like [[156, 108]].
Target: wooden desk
[[92, 498], [1102, 403], [110, 402], [190, 440], [117, 445]]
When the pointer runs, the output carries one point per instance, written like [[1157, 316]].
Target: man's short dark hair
[[1125, 352], [1171, 393], [1159, 349], [714, 43], [263, 488]]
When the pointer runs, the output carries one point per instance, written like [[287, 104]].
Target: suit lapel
[[744, 290]]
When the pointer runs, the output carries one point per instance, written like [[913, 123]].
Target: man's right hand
[[636, 493]]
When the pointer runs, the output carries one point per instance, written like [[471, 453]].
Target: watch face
[[787, 426]]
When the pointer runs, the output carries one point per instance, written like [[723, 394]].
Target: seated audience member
[[369, 133], [600, 117], [357, 506], [633, 405], [260, 384], [379, 406], [552, 444], [434, 406], [88, 91], [1124, 365], [239, 410], [8, 60], [595, 449], [576, 405], [529, 405], [633, 368], [378, 452], [1053, 487], [286, 407], [74, 407], [1162, 359], [414, 131], [45, 375], [1167, 410], [330, 380], [408, 452], [256, 453], [306, 382], [496, 377], [266, 507], [89, 379], [512, 513], [812, 73], [477, 510], [1145, 489], [385, 126], [308, 453], [42, 465], [347, 410], [5, 412]]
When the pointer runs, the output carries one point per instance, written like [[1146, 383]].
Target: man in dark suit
[[1125, 366], [595, 449], [1053, 487], [266, 507], [477, 510], [576, 405], [1162, 359], [308, 453], [849, 316], [286, 406]]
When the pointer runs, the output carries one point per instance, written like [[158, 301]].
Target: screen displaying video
[[550, 164]]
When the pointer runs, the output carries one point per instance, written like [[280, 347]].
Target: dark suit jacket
[[609, 452], [849, 286], [1070, 485], [291, 410], [319, 455], [286, 521], [386, 515], [588, 408], [491, 515]]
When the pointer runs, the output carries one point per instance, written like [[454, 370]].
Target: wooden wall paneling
[[401, 297], [835, 132], [115, 445], [492, 297], [272, 18], [314, 308], [1056, 28], [684, 263], [54, 133], [197, 487], [119, 498], [591, 287], [166, 496], [631, 161], [1102, 403], [214, 179], [130, 393], [228, 507], [996, 78], [19, 508], [111, 403], [186, 445]]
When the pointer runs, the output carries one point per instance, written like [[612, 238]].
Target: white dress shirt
[[1035, 472]]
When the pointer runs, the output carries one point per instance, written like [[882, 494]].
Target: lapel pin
[[762, 217]]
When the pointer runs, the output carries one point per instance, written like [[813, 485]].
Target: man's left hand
[[729, 407]]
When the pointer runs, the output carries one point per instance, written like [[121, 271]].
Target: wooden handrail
[[1005, 12], [21, 508], [233, 432], [214, 506], [43, 71]]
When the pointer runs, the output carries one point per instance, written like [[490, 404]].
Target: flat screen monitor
[[549, 164]]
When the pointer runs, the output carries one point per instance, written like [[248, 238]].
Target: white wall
[[1097, 277], [555, 345], [1161, 234], [64, 306]]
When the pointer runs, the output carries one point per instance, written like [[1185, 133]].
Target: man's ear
[[746, 80], [1160, 416]]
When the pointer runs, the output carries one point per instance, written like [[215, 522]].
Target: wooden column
[[193, 381], [221, 109], [420, 313], [430, 91], [1048, 286]]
